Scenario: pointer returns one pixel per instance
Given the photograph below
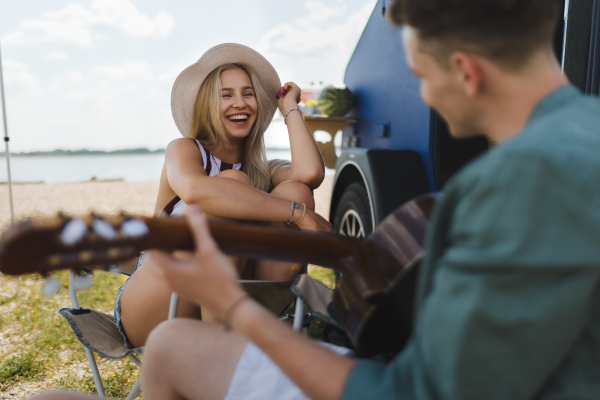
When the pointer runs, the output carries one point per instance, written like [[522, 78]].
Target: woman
[[222, 105]]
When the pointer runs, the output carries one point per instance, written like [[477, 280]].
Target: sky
[[97, 74]]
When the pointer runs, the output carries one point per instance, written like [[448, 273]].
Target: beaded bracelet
[[232, 307], [288, 113]]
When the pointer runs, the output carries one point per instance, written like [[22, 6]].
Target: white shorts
[[256, 377]]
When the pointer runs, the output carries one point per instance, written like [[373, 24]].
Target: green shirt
[[508, 304]]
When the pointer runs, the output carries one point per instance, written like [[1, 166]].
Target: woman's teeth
[[238, 118]]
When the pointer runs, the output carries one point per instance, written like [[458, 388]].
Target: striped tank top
[[212, 166]]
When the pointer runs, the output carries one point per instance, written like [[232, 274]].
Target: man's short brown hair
[[506, 31]]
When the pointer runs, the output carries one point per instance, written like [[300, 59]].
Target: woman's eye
[[225, 95], [249, 94]]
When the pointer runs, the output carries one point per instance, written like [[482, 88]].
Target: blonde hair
[[208, 128]]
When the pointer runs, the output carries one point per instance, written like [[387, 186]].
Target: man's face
[[440, 87]]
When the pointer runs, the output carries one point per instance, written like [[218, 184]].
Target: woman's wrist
[[290, 111], [285, 108]]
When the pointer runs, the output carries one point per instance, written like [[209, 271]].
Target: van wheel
[[353, 215]]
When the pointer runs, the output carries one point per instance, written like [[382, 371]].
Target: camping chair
[[98, 332]]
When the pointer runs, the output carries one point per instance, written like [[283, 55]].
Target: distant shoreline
[[85, 152]]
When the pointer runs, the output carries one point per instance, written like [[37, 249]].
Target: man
[[508, 305]]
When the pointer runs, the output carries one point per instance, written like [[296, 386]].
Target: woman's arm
[[226, 197], [210, 279], [307, 164]]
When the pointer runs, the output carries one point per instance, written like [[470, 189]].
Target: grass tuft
[[25, 366]]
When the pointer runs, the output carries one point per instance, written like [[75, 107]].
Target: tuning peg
[[73, 231], [51, 286], [134, 228], [104, 229], [83, 279]]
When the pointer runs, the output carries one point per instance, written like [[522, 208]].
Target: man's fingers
[[199, 225]]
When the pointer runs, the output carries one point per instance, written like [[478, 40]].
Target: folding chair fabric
[[318, 299], [97, 331], [276, 296]]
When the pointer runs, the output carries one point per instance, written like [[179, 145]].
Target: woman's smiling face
[[238, 103]]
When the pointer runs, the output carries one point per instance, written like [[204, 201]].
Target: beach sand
[[34, 200]]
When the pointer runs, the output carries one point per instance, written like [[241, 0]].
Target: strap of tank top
[[168, 210]]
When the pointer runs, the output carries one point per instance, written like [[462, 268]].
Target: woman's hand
[[314, 222], [208, 278], [289, 97]]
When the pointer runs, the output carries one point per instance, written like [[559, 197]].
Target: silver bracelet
[[294, 206]]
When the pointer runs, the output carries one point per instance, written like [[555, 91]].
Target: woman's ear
[[468, 71]]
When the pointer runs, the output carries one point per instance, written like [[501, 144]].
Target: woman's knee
[[236, 175], [299, 192]]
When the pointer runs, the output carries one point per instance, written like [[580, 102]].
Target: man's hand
[[208, 278]]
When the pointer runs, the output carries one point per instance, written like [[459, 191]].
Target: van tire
[[353, 214]]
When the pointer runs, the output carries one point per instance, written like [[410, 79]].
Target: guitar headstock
[[41, 245]]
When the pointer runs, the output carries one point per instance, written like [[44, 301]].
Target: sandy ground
[[31, 200]]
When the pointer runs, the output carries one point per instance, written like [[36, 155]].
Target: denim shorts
[[117, 311]]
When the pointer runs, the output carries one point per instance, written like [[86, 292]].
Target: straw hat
[[187, 84]]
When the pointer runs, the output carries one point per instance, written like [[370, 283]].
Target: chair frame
[[90, 354]]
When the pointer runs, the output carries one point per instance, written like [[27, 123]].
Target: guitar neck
[[347, 255], [42, 245], [255, 241]]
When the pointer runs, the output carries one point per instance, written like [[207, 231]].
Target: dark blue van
[[394, 146]]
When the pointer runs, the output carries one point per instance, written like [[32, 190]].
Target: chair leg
[[135, 360], [173, 305], [134, 391], [298, 315], [95, 373]]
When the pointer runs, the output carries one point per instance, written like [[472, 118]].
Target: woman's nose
[[239, 102]]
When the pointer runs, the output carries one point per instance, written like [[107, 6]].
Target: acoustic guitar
[[373, 297]]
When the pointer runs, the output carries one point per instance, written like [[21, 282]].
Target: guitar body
[[384, 328]]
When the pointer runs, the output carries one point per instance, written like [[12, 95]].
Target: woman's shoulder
[[182, 146], [184, 143]]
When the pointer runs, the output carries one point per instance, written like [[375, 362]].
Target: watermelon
[[335, 101]]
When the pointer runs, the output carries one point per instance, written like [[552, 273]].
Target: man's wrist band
[[232, 307]]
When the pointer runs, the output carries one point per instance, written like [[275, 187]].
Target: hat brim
[[188, 83]]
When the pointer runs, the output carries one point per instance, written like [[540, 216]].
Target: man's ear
[[468, 72]]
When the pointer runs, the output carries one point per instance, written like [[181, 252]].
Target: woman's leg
[[145, 298], [145, 303], [275, 270], [177, 367]]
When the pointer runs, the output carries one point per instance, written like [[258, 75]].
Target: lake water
[[79, 168]]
